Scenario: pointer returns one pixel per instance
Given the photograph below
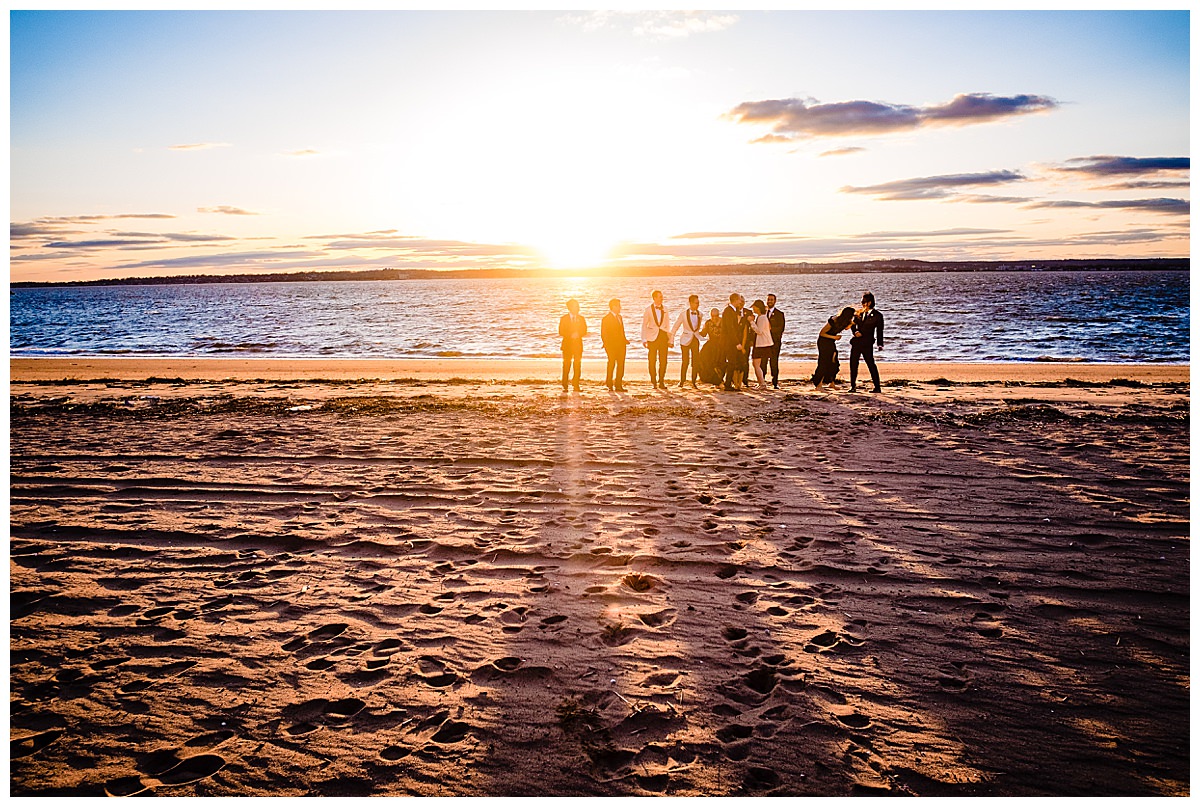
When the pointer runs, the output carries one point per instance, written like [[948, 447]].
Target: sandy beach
[[317, 577]]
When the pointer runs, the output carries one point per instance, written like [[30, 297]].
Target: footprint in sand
[[954, 677], [854, 720], [322, 635], [658, 619], [28, 746], [550, 621], [320, 664], [641, 583], [832, 642], [614, 635], [664, 678], [173, 767], [734, 732], [732, 634], [310, 714], [163, 673], [513, 619], [392, 753], [436, 673], [758, 778]]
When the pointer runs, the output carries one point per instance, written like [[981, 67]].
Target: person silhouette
[[778, 321], [691, 321], [656, 337], [867, 329], [827, 360], [612, 335], [731, 334], [572, 328]]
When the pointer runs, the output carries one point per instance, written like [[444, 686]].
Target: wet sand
[[283, 578]]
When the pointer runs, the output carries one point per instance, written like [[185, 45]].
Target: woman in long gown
[[827, 358], [712, 362]]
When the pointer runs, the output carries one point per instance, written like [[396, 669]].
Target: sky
[[150, 143]]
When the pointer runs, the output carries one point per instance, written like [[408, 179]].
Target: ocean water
[[1001, 316]]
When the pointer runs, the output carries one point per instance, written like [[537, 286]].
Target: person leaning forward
[[656, 337], [572, 328], [612, 335]]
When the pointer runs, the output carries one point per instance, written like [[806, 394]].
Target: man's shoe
[[577, 389], [775, 385], [619, 388], [876, 389]]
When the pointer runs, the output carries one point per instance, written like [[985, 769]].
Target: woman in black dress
[[712, 362], [827, 359]]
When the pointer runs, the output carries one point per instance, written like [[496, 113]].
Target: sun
[[575, 250]]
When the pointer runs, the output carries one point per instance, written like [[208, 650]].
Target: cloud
[[223, 260], [1178, 207], [408, 245], [936, 187], [196, 237], [656, 25], [1105, 165], [227, 210], [373, 234], [933, 245], [301, 153], [728, 235], [991, 199], [956, 232], [37, 229], [198, 146], [98, 243], [52, 226], [795, 119], [1148, 184], [139, 240], [833, 152]]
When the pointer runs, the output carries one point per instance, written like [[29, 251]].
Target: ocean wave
[[1062, 359], [240, 347]]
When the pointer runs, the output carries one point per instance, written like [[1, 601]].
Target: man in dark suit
[[731, 331], [867, 328], [612, 334], [572, 328], [776, 318]]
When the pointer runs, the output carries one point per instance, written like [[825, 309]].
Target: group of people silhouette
[[722, 349]]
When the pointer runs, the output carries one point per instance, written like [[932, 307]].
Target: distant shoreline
[[855, 267]]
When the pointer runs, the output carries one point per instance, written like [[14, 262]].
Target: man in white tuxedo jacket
[[690, 322], [656, 337]]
